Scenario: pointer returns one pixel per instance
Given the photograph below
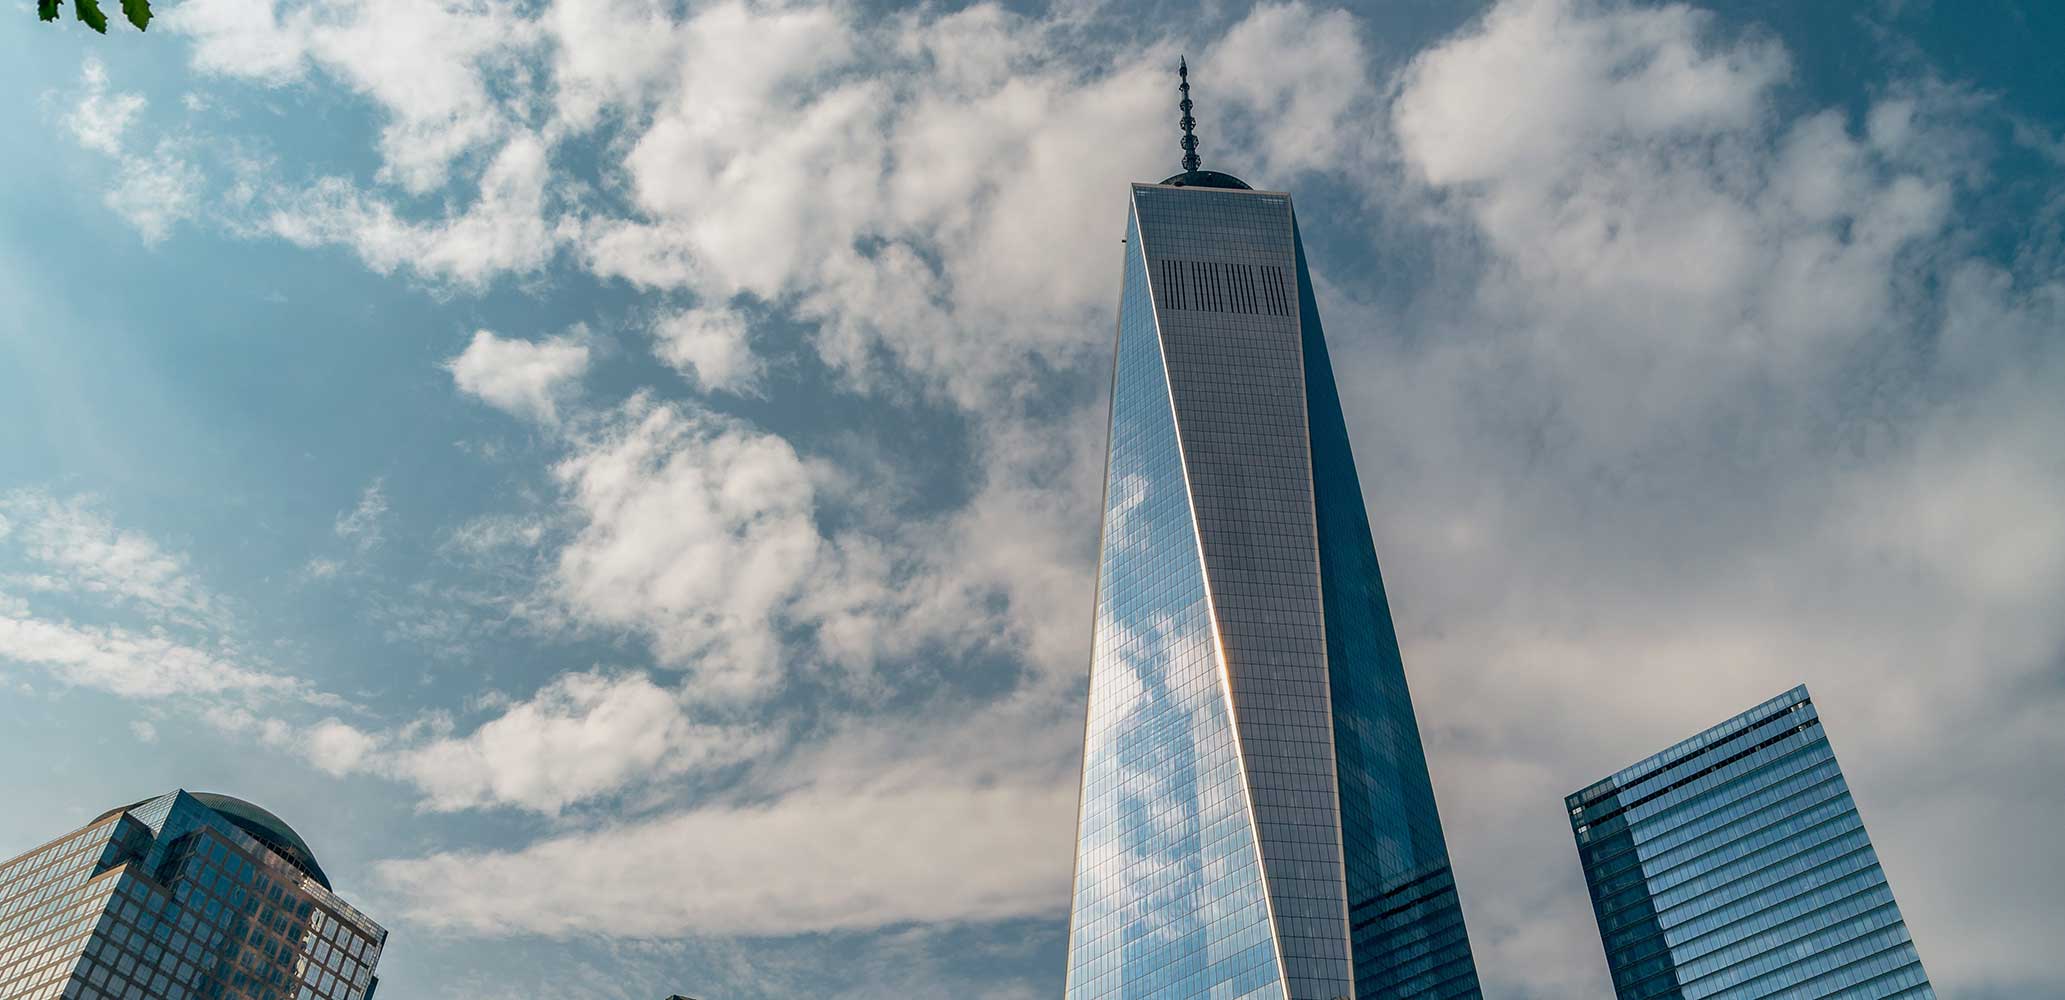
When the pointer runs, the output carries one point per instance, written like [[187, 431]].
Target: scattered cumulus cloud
[[697, 531], [100, 117], [137, 623], [522, 377], [427, 66], [503, 230], [583, 736], [156, 191], [153, 190], [132, 664], [491, 532], [827, 860], [864, 176], [710, 346], [336, 747], [80, 549], [873, 827], [703, 534]]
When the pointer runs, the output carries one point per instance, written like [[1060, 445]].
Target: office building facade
[[1734, 864], [1256, 817], [186, 896]]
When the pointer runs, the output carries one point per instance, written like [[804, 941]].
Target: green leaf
[[89, 12], [138, 12], [46, 9]]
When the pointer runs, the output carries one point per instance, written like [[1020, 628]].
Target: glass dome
[[269, 829]]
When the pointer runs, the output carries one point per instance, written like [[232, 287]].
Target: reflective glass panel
[[1734, 865], [1405, 917]]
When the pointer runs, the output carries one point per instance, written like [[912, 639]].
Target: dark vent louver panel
[[1217, 286]]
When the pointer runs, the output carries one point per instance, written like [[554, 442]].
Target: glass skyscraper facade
[[1734, 865], [1256, 816], [186, 896]]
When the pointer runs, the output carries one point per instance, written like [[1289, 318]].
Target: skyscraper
[[1735, 864], [1256, 818], [186, 896]]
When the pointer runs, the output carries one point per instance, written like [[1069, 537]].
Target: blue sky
[[621, 476]]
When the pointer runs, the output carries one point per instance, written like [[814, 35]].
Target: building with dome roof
[[185, 896]]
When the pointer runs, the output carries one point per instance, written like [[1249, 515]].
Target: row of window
[[51, 933], [1671, 758], [53, 855]]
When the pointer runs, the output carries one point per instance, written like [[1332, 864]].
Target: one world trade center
[[1256, 816]]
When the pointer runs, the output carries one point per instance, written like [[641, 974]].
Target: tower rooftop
[[1207, 179]]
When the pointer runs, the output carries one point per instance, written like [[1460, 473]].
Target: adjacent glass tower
[[187, 896], [1256, 819], [1734, 864]]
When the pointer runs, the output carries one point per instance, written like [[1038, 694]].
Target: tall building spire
[[1190, 160]]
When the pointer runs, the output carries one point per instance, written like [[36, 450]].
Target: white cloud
[[426, 66], [697, 531], [522, 377], [1294, 115], [185, 650], [336, 747], [143, 731], [87, 552], [1481, 106], [489, 533], [952, 811], [581, 736], [1014, 567], [711, 346], [878, 179], [502, 230], [820, 860], [1637, 181], [247, 38], [746, 134], [701, 533], [153, 191], [132, 664], [606, 55], [884, 181], [240, 721], [156, 191], [363, 524], [100, 118]]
